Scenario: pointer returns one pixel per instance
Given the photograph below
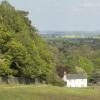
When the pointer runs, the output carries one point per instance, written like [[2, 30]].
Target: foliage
[[77, 55], [55, 80], [5, 66], [23, 52]]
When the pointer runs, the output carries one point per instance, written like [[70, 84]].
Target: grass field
[[45, 92]]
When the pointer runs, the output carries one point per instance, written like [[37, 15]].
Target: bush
[[55, 80]]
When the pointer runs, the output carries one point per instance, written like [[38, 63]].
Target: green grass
[[45, 92]]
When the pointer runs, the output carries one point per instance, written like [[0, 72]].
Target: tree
[[30, 54]]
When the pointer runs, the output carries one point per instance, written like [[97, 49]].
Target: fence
[[16, 80]]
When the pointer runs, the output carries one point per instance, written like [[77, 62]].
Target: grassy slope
[[43, 92]]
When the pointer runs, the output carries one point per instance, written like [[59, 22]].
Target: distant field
[[44, 92], [79, 36]]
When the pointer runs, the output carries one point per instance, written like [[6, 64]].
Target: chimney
[[65, 77]]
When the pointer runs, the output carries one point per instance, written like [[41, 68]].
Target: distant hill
[[70, 34]]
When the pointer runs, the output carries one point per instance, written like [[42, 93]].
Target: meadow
[[47, 92]]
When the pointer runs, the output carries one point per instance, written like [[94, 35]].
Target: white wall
[[76, 82]]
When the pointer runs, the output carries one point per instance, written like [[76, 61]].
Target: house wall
[[76, 83]]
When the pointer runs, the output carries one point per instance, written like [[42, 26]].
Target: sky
[[62, 15]]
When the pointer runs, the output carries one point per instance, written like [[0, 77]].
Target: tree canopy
[[23, 52]]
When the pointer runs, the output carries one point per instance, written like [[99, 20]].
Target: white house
[[75, 80]]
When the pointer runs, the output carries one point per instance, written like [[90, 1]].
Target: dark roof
[[76, 76]]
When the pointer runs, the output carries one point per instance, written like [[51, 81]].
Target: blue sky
[[62, 15]]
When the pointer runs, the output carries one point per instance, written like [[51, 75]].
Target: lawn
[[47, 92]]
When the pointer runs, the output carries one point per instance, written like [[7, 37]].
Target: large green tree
[[28, 54]]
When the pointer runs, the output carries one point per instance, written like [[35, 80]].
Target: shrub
[[55, 80]]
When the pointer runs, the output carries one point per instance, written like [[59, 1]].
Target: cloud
[[77, 10], [91, 3], [88, 7]]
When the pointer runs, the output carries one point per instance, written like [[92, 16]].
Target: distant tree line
[[77, 56]]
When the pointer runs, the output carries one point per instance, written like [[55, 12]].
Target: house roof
[[76, 76]]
